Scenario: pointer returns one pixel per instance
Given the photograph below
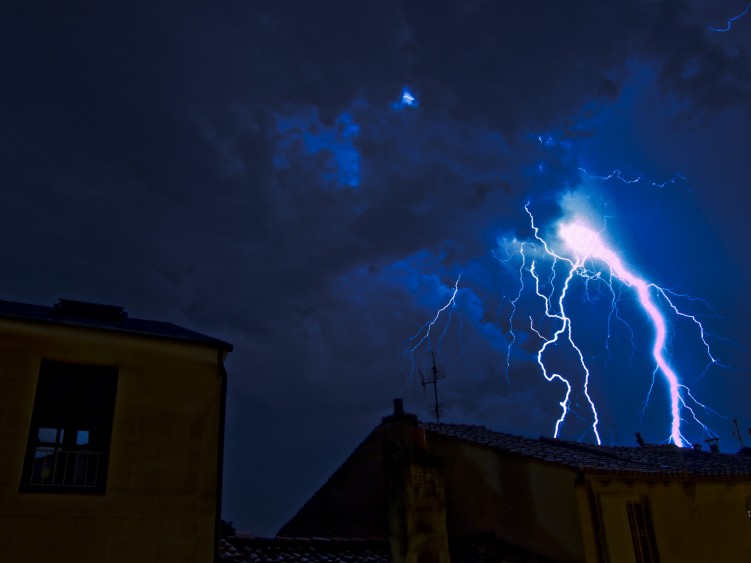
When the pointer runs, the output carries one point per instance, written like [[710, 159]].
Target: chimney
[[399, 414], [417, 504]]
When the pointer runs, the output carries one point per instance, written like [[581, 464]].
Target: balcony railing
[[53, 467]]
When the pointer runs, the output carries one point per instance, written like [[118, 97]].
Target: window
[[71, 425], [628, 532], [642, 533]]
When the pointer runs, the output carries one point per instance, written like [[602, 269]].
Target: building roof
[[321, 514], [648, 459], [81, 314], [303, 550], [480, 549]]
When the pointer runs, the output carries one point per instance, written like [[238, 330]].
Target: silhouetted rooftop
[[67, 312], [481, 549]]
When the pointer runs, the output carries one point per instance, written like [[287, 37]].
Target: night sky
[[309, 181]]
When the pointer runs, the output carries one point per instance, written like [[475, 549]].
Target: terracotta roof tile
[[479, 549], [649, 459], [303, 550]]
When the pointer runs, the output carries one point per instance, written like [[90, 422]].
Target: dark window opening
[[642, 532], [71, 426]]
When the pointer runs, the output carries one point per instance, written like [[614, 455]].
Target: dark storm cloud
[[540, 56], [698, 67], [244, 170]]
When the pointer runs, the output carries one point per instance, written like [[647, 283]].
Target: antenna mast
[[737, 431], [430, 377]]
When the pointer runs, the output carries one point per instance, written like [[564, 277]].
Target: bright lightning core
[[579, 252], [583, 248]]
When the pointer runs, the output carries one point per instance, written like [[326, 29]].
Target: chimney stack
[[399, 415], [417, 503]]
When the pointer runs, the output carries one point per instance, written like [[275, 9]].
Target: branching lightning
[[549, 268], [424, 334], [582, 250], [564, 330], [522, 266], [634, 179], [731, 21]]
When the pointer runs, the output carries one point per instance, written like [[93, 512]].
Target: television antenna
[[737, 431], [430, 376]]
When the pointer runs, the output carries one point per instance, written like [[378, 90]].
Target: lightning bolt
[[564, 330], [579, 252], [513, 302], [636, 178], [583, 247], [547, 140], [424, 334], [731, 21]]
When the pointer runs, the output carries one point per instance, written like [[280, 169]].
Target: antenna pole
[[431, 376], [737, 431], [434, 369]]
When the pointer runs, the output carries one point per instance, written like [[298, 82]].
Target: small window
[[628, 533], [71, 426], [642, 532]]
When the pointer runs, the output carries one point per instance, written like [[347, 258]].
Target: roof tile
[[649, 459]]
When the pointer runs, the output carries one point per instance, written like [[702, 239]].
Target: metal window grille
[[66, 468]]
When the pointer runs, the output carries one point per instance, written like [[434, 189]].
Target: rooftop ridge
[[637, 460], [111, 318]]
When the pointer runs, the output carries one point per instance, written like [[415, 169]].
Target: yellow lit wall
[[558, 512], [523, 501], [160, 502], [693, 519]]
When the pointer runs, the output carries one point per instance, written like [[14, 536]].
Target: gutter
[[220, 451]]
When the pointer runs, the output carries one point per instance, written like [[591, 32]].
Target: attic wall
[[524, 502], [352, 503]]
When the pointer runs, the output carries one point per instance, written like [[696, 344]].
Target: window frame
[[626, 527], [70, 433], [642, 531]]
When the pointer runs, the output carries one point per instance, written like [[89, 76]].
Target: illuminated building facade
[[111, 436]]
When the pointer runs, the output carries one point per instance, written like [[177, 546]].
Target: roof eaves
[[40, 314]]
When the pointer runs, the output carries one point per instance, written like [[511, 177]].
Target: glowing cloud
[[406, 100]]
